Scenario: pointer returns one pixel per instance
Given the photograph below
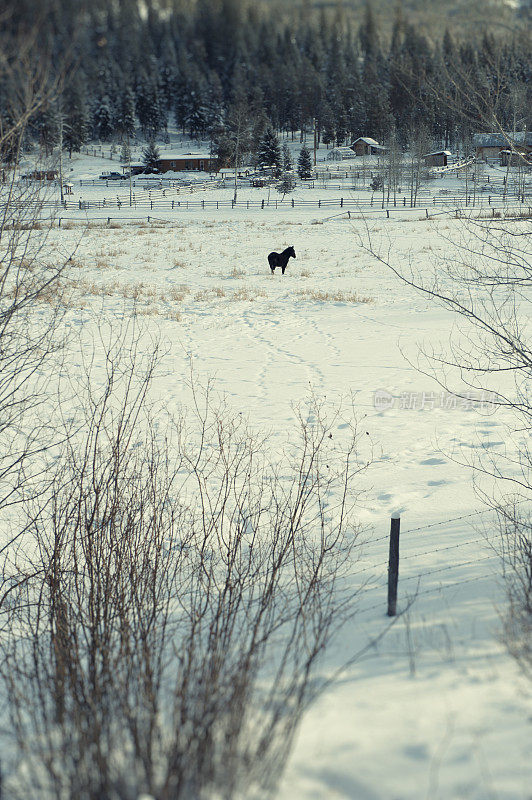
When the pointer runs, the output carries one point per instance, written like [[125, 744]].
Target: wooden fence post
[[393, 564]]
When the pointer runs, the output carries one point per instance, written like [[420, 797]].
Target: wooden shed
[[514, 158], [365, 146], [439, 158]]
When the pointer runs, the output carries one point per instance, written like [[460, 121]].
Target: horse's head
[[291, 252]]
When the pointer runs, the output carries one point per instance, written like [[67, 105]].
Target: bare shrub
[[516, 553], [28, 331], [183, 585]]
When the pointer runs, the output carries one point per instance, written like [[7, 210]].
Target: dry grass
[[209, 294], [27, 226], [178, 293], [234, 273], [72, 293], [333, 297], [247, 294]]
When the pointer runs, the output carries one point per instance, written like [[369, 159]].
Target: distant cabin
[[365, 146], [488, 146], [177, 162], [186, 162], [340, 154], [439, 158]]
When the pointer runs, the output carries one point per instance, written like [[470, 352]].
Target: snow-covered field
[[436, 708]]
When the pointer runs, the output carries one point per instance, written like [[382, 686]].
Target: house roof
[[502, 139], [438, 153], [174, 154], [366, 140]]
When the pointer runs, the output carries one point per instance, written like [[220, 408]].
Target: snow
[[435, 708]]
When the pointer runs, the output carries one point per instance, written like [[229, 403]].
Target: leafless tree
[[418, 146], [185, 580], [30, 277]]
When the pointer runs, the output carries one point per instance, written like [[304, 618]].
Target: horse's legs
[[273, 270], [283, 268]]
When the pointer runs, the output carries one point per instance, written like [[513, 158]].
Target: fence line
[[418, 555], [393, 561], [452, 205], [433, 590]]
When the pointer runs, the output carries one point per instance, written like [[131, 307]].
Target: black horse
[[281, 259]]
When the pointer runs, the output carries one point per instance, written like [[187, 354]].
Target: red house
[[186, 162]]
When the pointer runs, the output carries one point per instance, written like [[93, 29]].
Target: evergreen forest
[[229, 70]]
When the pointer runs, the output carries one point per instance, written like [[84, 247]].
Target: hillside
[[460, 16]]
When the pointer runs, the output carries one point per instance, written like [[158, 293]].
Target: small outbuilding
[[366, 146], [514, 158], [439, 158], [340, 154]]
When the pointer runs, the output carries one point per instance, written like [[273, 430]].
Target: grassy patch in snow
[[333, 297]]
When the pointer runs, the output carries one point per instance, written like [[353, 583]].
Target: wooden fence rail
[[166, 204]]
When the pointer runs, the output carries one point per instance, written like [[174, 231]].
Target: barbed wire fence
[[390, 578]]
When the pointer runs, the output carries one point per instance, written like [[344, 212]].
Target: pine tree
[[103, 119], [304, 164], [125, 121], [48, 128], [151, 110], [269, 153], [286, 185], [125, 153], [76, 118], [288, 165], [150, 156]]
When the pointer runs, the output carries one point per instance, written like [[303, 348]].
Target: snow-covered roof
[[366, 140], [438, 153], [502, 139], [173, 154]]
